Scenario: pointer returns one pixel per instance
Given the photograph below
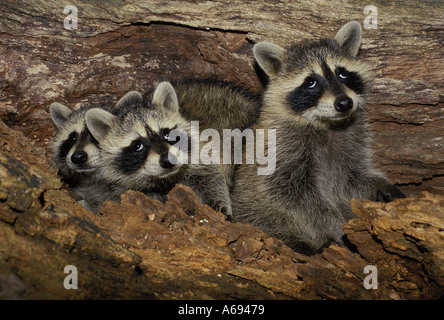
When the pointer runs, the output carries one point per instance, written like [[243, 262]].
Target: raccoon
[[138, 154], [75, 151], [315, 100]]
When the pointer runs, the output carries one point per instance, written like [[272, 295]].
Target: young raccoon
[[315, 100], [75, 151], [136, 152]]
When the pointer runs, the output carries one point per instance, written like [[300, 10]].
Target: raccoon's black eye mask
[[68, 144], [133, 157], [350, 79], [307, 95]]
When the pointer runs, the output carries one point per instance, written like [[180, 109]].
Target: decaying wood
[[141, 248]]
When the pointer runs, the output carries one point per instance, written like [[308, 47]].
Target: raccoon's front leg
[[88, 206], [383, 191], [217, 196], [210, 184]]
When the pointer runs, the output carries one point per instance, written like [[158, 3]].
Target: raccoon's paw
[[226, 210], [389, 193], [93, 208], [86, 205]]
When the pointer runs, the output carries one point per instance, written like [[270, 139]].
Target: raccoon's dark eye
[[342, 74], [165, 134], [307, 94], [137, 146], [73, 137], [310, 82]]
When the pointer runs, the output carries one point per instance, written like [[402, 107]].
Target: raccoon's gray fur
[[315, 100], [217, 105], [75, 151], [136, 153]]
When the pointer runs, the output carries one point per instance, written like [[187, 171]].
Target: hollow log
[[141, 248]]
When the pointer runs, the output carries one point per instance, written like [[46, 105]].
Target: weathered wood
[[145, 249], [142, 248]]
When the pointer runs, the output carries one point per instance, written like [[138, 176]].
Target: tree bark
[[141, 248]]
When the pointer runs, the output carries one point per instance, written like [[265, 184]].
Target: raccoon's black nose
[[79, 157], [165, 161], [343, 104]]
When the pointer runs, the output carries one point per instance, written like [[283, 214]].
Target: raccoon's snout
[[165, 161], [343, 104], [79, 157]]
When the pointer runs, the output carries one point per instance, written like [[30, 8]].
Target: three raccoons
[[315, 100], [135, 152]]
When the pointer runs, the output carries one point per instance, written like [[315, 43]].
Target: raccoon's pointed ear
[[59, 114], [99, 122], [165, 97], [130, 97], [349, 37], [269, 56]]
